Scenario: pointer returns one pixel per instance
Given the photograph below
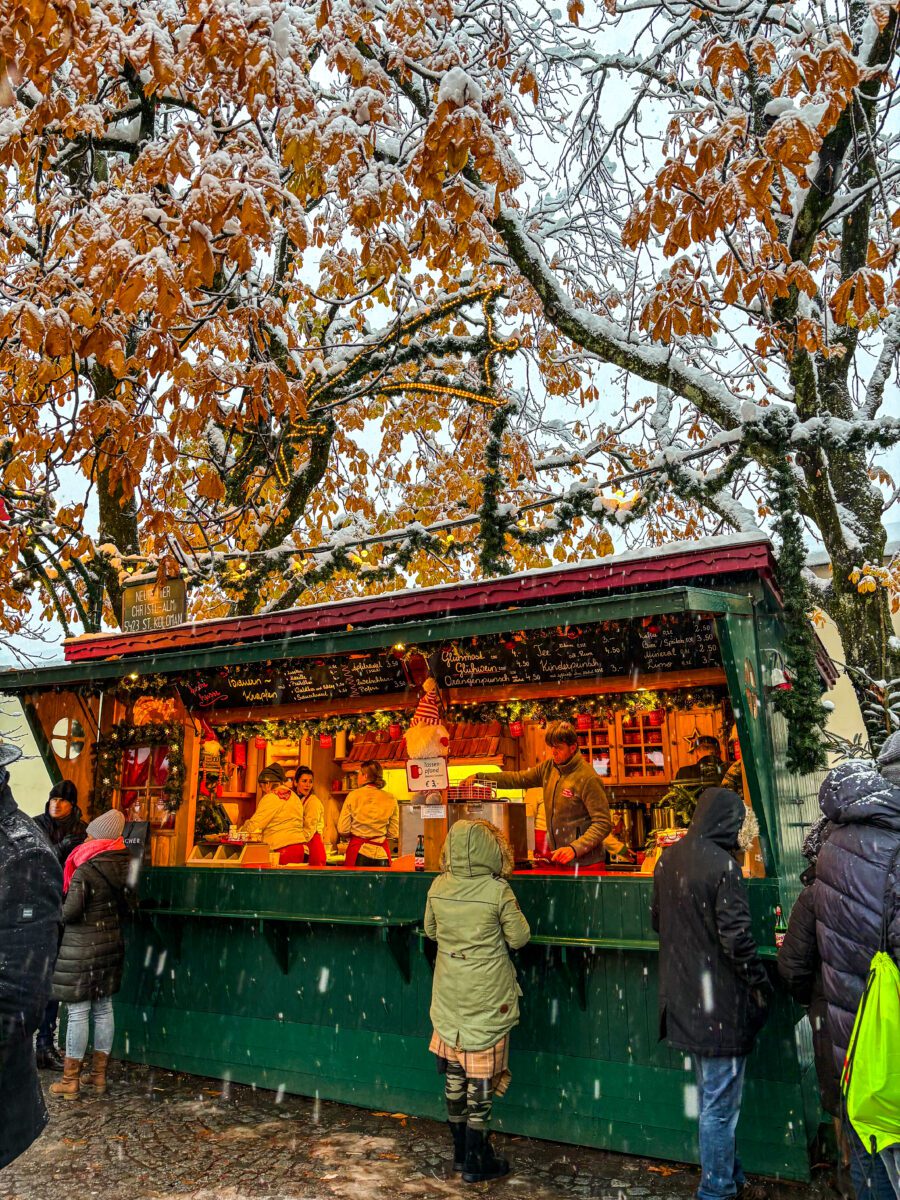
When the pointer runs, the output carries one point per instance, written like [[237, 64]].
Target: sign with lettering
[[678, 644], [147, 607], [296, 681], [602, 651], [609, 650], [427, 774]]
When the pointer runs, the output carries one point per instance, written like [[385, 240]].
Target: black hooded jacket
[[30, 892], [713, 986], [65, 835], [851, 884]]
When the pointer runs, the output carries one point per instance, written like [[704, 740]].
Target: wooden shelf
[[238, 796]]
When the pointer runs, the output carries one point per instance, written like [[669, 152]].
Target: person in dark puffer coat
[[30, 890], [800, 966], [88, 971], [852, 878], [62, 825]]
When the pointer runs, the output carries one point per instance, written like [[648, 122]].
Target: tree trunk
[[118, 516], [864, 623]]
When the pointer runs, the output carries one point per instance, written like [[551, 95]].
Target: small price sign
[[427, 774]]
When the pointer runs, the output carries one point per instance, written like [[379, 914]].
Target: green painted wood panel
[[327, 1009]]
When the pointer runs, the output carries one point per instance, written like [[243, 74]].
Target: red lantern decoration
[[396, 731], [239, 754], [583, 721], [326, 741], [516, 729], [260, 743]]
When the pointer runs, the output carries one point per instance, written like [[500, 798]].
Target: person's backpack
[[870, 1080]]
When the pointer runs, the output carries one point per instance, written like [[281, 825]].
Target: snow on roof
[[703, 557]]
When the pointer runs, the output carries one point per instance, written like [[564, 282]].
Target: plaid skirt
[[492, 1063]]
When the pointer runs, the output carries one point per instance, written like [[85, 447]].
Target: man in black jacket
[[713, 988], [30, 897], [63, 826]]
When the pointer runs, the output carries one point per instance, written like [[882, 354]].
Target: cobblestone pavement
[[157, 1134]]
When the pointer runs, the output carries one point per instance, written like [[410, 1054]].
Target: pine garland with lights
[[109, 754], [801, 706], [600, 707]]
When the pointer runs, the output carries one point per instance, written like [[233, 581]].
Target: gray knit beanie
[[889, 759], [108, 826]]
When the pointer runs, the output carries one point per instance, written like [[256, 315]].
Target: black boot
[[48, 1058], [458, 1133], [481, 1161]]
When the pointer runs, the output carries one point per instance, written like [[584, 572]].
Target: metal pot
[[662, 816]]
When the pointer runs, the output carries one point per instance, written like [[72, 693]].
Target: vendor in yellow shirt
[[279, 817], [313, 817], [371, 817]]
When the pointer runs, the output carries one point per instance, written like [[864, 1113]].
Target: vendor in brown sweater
[[575, 803]]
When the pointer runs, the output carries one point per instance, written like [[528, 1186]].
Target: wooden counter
[[319, 981]]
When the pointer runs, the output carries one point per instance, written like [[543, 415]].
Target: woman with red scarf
[[89, 967]]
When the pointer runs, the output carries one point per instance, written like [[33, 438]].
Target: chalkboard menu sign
[[682, 643], [296, 681], [608, 650], [618, 648]]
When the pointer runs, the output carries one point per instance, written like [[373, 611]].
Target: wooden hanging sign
[[147, 607]]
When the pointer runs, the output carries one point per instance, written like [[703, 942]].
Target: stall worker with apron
[[575, 804], [279, 817], [371, 817], [313, 817]]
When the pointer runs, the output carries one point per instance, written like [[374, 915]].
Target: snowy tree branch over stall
[[244, 273]]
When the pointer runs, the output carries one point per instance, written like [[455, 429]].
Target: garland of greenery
[[601, 707], [801, 706], [493, 558], [109, 753]]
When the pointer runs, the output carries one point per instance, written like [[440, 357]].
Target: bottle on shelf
[[780, 926], [420, 853]]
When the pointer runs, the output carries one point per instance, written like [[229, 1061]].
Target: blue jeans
[[891, 1160], [868, 1171], [78, 1019], [720, 1085]]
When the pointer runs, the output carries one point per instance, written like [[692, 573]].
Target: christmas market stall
[[246, 961]]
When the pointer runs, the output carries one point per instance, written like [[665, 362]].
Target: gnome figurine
[[426, 736]]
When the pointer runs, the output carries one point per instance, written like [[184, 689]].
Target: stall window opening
[[145, 770]]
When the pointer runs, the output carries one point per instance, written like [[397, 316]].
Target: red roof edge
[[698, 560]]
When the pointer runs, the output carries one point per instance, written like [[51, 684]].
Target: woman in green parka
[[473, 915]]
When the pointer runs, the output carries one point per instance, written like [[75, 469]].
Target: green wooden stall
[[318, 982]]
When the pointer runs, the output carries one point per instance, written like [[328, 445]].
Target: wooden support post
[[436, 830]]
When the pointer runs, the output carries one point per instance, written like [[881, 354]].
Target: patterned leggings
[[469, 1100]]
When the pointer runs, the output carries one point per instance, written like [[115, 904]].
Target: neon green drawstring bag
[[870, 1080]]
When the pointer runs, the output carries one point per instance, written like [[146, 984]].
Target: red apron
[[356, 844], [314, 849]]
